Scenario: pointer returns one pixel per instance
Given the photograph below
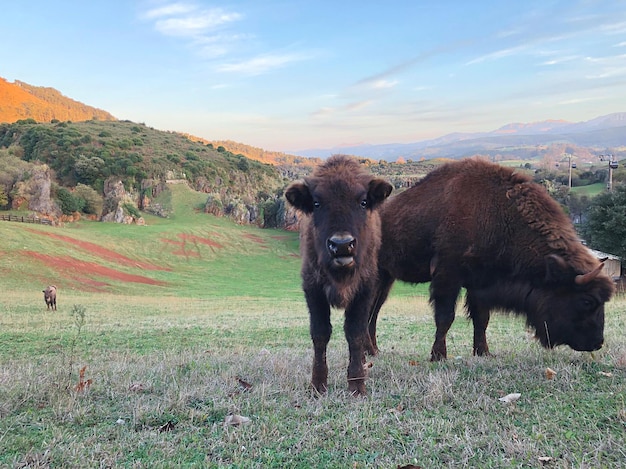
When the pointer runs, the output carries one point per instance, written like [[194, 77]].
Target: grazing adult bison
[[493, 231], [50, 297], [340, 238]]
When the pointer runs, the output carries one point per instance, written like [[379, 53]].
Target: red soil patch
[[198, 239], [74, 266], [186, 246], [281, 237], [182, 251], [104, 253], [255, 238]]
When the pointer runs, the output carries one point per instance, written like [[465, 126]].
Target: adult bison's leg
[[321, 329], [381, 293], [443, 296], [357, 335], [480, 318]]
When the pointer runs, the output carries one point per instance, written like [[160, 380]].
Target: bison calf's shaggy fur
[[493, 231], [50, 297], [340, 239]]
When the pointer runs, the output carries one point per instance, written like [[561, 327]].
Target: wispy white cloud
[[614, 28], [353, 106], [262, 63], [499, 54], [196, 23], [189, 20], [211, 34], [384, 84], [561, 60], [169, 10]]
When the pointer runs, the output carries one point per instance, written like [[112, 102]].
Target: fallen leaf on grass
[[167, 427], [136, 387], [550, 373], [409, 466], [413, 363], [236, 420], [244, 385], [605, 373], [545, 459], [509, 398], [83, 385]]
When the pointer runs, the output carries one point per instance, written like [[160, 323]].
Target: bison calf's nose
[[341, 248]]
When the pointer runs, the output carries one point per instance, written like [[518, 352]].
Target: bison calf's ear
[[299, 196], [379, 190]]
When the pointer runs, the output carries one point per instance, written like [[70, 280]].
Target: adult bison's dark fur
[[50, 297], [493, 231], [340, 238]]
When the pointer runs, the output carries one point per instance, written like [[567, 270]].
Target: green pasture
[[225, 333], [590, 190]]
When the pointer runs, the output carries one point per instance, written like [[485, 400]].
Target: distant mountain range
[[20, 100], [518, 140]]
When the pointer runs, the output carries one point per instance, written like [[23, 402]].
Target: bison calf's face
[[339, 212]]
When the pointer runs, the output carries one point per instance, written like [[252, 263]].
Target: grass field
[[194, 333], [590, 190]]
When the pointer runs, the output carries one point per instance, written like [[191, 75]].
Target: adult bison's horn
[[589, 276]]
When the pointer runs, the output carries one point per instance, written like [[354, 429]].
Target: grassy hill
[[190, 254]]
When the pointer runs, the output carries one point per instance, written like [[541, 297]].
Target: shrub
[[69, 202], [131, 210], [92, 200]]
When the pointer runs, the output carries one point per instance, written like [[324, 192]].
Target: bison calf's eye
[[316, 204], [364, 203]]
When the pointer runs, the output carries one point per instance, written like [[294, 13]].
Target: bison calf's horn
[[341, 245]]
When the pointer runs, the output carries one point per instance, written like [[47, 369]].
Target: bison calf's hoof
[[356, 388], [438, 357], [319, 388]]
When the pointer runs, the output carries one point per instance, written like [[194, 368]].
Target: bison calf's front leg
[[356, 371], [321, 330], [319, 376], [357, 335]]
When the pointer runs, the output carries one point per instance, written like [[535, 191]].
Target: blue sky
[[297, 74]]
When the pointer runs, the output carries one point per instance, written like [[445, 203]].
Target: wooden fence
[[27, 219]]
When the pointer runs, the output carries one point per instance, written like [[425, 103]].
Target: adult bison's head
[[568, 307], [340, 201]]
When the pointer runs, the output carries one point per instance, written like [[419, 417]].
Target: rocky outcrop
[[119, 206], [35, 193]]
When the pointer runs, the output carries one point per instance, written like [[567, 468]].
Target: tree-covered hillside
[[97, 154], [20, 100]]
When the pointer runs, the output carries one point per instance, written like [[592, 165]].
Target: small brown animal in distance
[[50, 297]]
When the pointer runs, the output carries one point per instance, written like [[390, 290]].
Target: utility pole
[[612, 165], [571, 165]]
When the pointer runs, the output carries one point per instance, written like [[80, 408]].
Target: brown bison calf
[[50, 297], [340, 238], [493, 231]]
